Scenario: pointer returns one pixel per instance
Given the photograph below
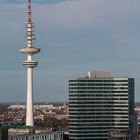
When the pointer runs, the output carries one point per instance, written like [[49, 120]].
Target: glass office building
[[98, 104]]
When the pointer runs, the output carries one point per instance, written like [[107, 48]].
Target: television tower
[[29, 50]]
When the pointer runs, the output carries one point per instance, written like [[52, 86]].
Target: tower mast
[[29, 50]]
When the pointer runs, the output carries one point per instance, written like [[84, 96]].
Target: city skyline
[[75, 36]]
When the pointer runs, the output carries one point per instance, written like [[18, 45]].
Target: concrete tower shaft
[[29, 50]]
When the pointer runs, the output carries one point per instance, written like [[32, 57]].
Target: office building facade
[[98, 104]]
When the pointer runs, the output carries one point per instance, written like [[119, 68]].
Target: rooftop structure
[[98, 74]]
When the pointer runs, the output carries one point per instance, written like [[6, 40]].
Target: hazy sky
[[75, 36]]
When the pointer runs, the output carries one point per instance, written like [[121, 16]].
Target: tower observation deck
[[29, 50]]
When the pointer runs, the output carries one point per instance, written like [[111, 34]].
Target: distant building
[[17, 107], [41, 136], [100, 103], [65, 136], [41, 106], [137, 109], [3, 133]]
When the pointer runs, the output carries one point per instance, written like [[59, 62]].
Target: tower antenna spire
[[29, 11]]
